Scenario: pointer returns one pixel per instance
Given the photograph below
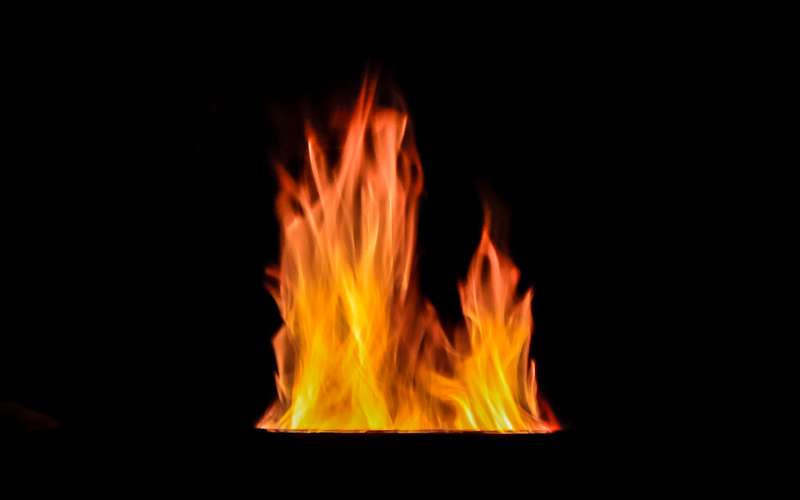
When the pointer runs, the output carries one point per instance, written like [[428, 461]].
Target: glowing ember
[[361, 349]]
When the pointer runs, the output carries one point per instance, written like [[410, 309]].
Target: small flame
[[361, 349]]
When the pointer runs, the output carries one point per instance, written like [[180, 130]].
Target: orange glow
[[361, 349]]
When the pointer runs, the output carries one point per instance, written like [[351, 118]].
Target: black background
[[139, 193]]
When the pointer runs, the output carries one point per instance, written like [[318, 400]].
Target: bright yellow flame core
[[360, 349]]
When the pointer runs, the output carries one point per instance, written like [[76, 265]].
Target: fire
[[361, 349]]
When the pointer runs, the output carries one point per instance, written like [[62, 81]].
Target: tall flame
[[361, 349]]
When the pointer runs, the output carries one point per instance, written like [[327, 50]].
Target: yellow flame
[[361, 349]]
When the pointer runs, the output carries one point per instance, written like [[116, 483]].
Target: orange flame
[[361, 349]]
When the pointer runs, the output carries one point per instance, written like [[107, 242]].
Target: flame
[[360, 348]]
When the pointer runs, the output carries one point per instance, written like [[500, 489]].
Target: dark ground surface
[[309, 462]]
